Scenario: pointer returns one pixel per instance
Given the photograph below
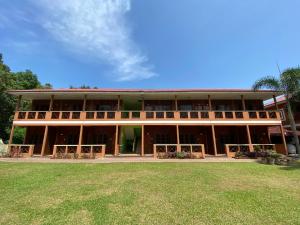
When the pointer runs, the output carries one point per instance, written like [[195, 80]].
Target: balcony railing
[[170, 150], [232, 149], [147, 115], [78, 151], [17, 150]]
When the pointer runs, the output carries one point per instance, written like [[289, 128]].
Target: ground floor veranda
[[145, 140]]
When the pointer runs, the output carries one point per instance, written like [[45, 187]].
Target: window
[[282, 114]]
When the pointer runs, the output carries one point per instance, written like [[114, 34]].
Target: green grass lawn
[[149, 193]]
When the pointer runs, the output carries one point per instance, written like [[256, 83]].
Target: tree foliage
[[13, 80], [288, 83]]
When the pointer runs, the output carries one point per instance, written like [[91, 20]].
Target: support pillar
[[80, 140], [11, 135], [142, 145], [18, 103], [178, 139], [176, 103], [117, 141], [214, 140], [44, 141], [84, 103], [243, 102], [143, 104], [119, 100], [275, 102], [209, 103], [249, 138], [283, 139], [51, 103]]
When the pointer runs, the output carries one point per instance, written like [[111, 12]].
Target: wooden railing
[[231, 149], [193, 150], [146, 115], [78, 151], [20, 150]]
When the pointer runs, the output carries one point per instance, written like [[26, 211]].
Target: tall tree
[[288, 83], [11, 80]]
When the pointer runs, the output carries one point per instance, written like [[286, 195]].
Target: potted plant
[[180, 155], [238, 155]]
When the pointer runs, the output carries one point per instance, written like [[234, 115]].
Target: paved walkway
[[124, 160]]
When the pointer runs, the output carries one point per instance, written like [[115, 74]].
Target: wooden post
[[119, 100], [178, 139], [11, 135], [84, 103], [209, 103], [51, 103], [249, 139], [283, 139], [44, 141], [176, 103], [18, 103], [243, 102], [214, 139], [117, 141], [80, 140], [275, 102], [142, 145], [143, 104]]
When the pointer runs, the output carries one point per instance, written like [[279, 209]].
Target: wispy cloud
[[98, 28]]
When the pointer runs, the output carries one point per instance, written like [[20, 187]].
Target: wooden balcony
[[21, 150], [78, 151], [147, 115], [232, 149], [163, 150]]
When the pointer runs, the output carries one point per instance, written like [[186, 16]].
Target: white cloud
[[97, 28]]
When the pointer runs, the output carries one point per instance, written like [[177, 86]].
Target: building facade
[[116, 122], [281, 105]]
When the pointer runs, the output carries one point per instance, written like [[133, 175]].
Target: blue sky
[[150, 43]]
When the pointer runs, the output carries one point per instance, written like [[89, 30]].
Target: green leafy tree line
[[14, 80]]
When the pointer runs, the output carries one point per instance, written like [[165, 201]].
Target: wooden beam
[[283, 139], [18, 103], [11, 136], [249, 138], [214, 140], [243, 102], [143, 104], [142, 145], [84, 103], [51, 103], [117, 141], [209, 103], [80, 140], [178, 139], [44, 141], [119, 100], [275, 102]]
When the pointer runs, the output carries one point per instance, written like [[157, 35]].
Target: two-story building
[[144, 122]]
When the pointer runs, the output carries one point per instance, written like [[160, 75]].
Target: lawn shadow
[[292, 166]]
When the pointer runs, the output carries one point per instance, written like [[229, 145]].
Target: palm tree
[[288, 83]]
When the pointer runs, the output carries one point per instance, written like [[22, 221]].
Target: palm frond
[[290, 79], [268, 82]]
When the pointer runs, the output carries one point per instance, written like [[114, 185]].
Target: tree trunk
[[293, 125]]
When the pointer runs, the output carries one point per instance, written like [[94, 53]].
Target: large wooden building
[[116, 122]]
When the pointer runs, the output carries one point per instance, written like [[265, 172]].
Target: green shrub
[[180, 155]]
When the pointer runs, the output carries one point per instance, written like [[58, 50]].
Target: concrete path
[[125, 160]]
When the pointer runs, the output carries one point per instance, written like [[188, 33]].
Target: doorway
[[131, 139]]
